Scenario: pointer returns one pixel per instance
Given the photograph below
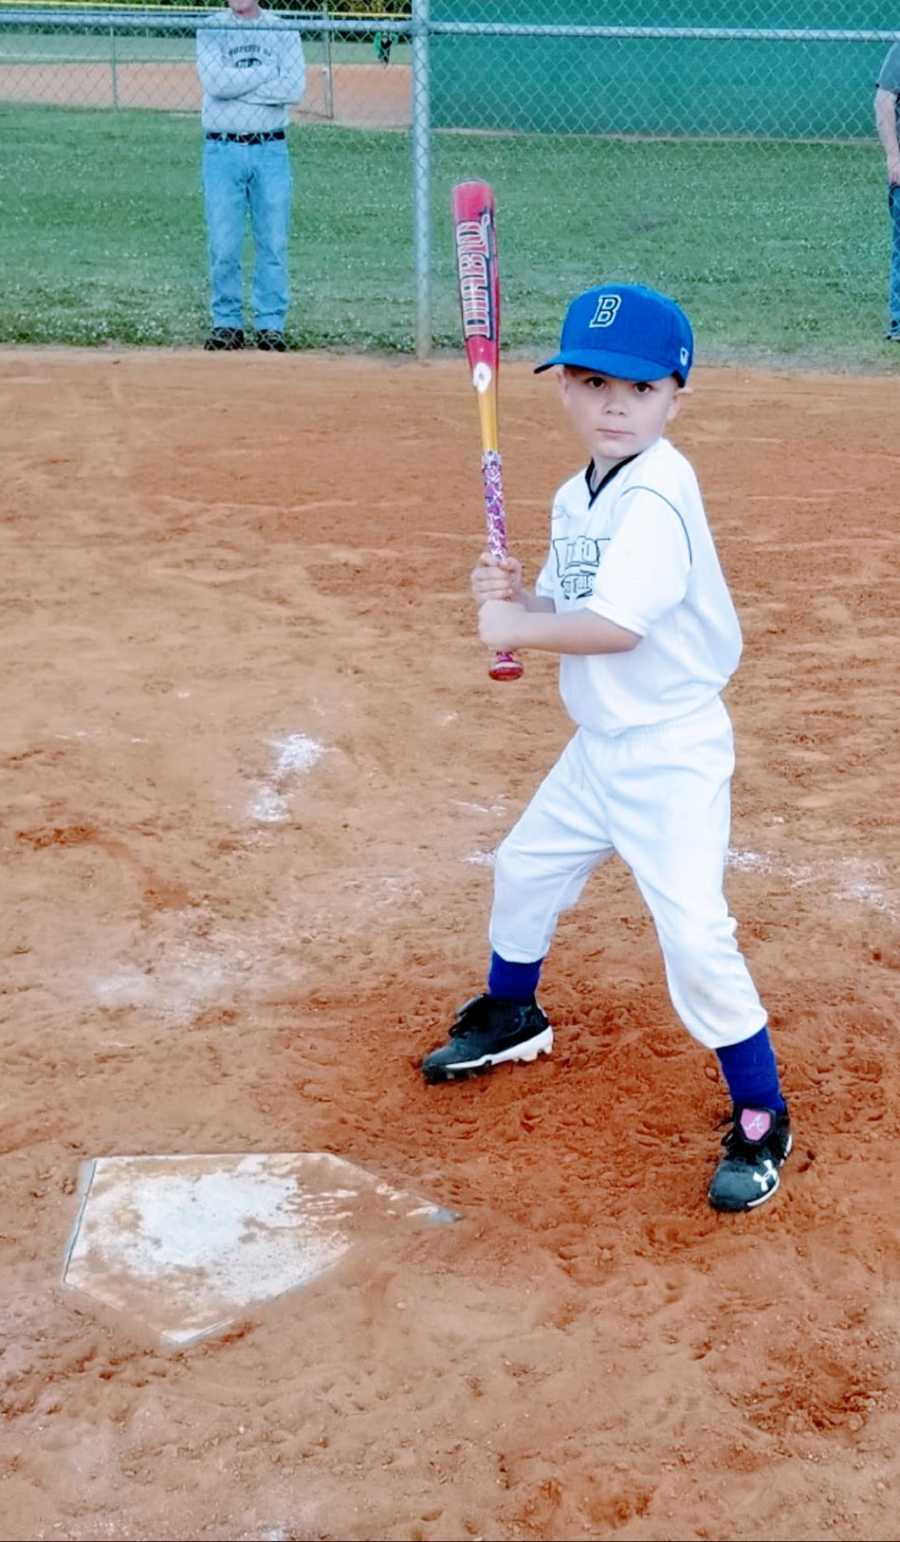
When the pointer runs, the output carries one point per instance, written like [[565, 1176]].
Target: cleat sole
[[525, 1053]]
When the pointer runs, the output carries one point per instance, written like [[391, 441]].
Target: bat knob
[[506, 667]]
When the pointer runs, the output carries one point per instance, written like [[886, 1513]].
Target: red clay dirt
[[252, 770], [352, 95]]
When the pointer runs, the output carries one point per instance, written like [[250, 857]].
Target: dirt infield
[[252, 772], [352, 95]]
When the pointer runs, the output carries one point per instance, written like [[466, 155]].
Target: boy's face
[[616, 418]]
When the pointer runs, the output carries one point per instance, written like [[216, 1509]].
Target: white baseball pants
[[660, 797]]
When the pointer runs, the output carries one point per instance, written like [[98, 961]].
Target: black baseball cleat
[[271, 341], [757, 1143], [489, 1031], [224, 340]]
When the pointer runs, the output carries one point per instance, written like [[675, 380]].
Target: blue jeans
[[238, 178], [894, 291]]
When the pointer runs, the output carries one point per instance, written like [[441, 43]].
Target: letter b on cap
[[605, 314]]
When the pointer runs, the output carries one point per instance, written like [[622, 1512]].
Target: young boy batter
[[632, 598]]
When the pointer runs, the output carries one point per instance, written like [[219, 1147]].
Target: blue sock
[[513, 982], [751, 1073]]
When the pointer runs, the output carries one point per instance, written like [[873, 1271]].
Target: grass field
[[779, 251]]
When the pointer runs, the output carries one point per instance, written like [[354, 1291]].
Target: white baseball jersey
[[640, 553]]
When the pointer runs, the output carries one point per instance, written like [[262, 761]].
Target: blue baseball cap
[[628, 331]]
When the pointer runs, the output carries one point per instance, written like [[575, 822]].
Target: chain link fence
[[724, 68], [412, 91], [785, 69], [118, 57]]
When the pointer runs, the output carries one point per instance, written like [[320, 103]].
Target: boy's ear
[[675, 404]]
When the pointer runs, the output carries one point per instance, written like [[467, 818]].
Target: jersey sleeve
[[646, 566], [889, 78]]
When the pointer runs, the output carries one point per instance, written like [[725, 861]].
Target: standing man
[[252, 69], [887, 119]]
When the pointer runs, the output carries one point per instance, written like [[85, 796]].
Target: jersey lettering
[[577, 561]]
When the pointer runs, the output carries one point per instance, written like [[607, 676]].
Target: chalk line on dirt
[[294, 756], [844, 878], [185, 972]]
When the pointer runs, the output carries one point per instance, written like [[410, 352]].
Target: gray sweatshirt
[[250, 71]]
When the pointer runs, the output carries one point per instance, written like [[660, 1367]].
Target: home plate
[[189, 1243]]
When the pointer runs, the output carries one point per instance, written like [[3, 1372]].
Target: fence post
[[421, 153], [329, 68], [112, 67]]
